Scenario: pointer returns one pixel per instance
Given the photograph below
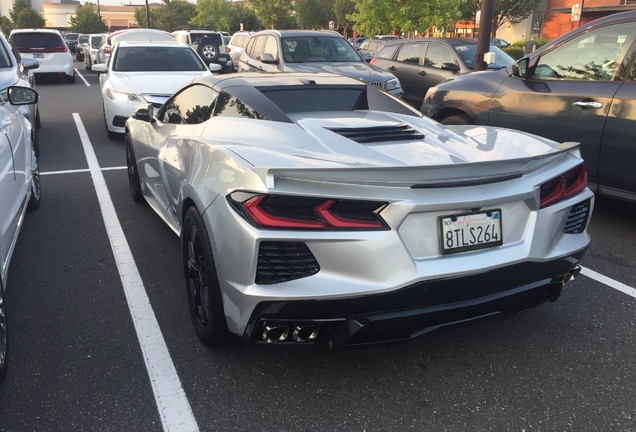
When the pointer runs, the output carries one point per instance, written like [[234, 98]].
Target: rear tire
[[4, 338], [458, 119], [70, 79], [202, 282], [36, 187]]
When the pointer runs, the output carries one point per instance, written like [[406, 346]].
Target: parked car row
[[19, 174]]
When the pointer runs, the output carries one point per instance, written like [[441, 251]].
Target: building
[[564, 15]]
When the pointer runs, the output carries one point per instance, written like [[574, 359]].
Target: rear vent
[[577, 218], [402, 132], [284, 261]]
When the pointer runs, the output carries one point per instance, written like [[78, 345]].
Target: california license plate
[[470, 231]]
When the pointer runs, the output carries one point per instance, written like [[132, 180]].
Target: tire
[[36, 186], [38, 122], [70, 79], [4, 338], [458, 119], [208, 52], [202, 282], [87, 63], [35, 142], [111, 135], [133, 174]]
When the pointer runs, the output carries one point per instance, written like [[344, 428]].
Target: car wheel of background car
[[70, 79], [4, 339], [133, 175], [38, 122], [208, 51], [35, 142], [87, 63], [202, 283], [458, 119], [36, 187]]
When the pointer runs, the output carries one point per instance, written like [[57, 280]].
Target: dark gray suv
[[580, 87]]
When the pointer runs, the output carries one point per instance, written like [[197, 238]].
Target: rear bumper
[[414, 310]]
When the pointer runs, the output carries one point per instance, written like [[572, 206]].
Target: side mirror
[[215, 68], [267, 58], [99, 68], [450, 67], [22, 95], [520, 69], [144, 113], [30, 63]]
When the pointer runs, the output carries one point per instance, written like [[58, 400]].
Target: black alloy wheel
[[36, 186], [4, 339], [133, 174], [202, 283]]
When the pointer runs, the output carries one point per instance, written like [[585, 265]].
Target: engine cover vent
[[401, 132]]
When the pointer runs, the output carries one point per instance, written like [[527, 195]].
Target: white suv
[[236, 45], [208, 44], [47, 47]]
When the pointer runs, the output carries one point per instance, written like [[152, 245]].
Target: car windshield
[[305, 49], [202, 38], [317, 99], [95, 40], [467, 54], [153, 59]]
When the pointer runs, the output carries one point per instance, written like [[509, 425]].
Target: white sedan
[[144, 73]]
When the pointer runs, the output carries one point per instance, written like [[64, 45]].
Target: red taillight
[[372, 61], [564, 186], [293, 212], [56, 49], [227, 50], [106, 50]]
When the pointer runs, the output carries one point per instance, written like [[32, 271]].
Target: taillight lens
[[294, 212], [372, 61], [55, 49], [227, 50], [564, 186], [106, 50]]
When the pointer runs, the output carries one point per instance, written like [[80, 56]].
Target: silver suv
[[208, 43]]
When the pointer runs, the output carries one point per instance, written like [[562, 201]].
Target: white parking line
[[609, 282], [81, 170], [174, 409], [82, 77]]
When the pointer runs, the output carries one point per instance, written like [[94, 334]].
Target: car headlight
[[119, 96], [392, 84]]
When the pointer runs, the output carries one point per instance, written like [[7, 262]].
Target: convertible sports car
[[314, 208]]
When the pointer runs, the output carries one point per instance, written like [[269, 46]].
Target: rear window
[[38, 42], [95, 41], [82, 39], [320, 99], [205, 38], [71, 36]]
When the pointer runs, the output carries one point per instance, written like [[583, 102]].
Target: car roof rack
[[189, 27]]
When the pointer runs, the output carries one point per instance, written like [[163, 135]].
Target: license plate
[[36, 55], [470, 231]]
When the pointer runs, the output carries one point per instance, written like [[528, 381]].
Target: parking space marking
[[609, 282], [174, 409], [82, 77], [84, 170]]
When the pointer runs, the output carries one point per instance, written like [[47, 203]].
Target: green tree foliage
[[275, 13], [342, 9], [246, 16], [86, 20], [505, 11], [29, 18], [217, 13], [170, 15], [381, 16], [5, 25], [314, 14], [18, 7]]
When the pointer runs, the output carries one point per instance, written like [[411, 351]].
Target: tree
[[170, 15], [5, 25], [505, 11], [29, 18], [18, 7], [214, 12], [86, 20], [246, 16], [342, 9], [274, 13], [314, 14]]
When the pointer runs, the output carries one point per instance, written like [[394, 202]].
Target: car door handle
[[392, 68], [421, 73], [590, 104]]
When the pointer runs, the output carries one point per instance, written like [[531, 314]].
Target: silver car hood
[[313, 148], [360, 70]]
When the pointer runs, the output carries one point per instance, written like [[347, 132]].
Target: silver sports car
[[313, 208]]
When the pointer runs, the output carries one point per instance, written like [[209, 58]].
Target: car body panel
[[586, 104], [440, 171]]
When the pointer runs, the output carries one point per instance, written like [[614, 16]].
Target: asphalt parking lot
[[101, 339]]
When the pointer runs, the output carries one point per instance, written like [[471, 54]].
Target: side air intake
[[284, 261]]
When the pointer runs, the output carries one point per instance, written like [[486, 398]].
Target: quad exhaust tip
[[280, 332]]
